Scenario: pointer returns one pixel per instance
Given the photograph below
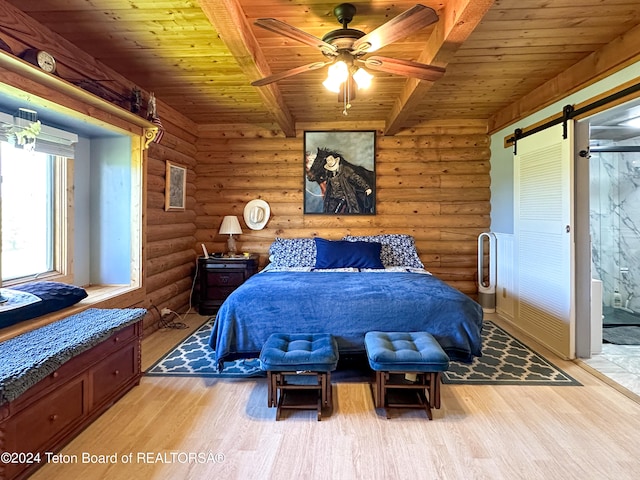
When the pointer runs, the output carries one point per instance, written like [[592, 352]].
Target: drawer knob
[[55, 374], [53, 417], [117, 339], [116, 372]]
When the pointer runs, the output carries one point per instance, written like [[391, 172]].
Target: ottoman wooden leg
[[378, 391], [434, 391], [328, 391], [322, 380]]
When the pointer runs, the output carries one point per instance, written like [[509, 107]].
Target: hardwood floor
[[496, 432]]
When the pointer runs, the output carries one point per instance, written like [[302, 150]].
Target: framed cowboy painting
[[339, 172]]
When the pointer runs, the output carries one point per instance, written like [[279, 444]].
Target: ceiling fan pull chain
[[347, 96], [344, 97]]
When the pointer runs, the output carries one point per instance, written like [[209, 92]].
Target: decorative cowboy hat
[[256, 214], [332, 163]]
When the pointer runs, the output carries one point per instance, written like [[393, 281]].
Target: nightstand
[[221, 276]]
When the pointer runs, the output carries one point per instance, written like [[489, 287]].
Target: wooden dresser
[[58, 407]]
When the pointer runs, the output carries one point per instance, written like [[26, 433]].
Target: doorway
[[614, 231]]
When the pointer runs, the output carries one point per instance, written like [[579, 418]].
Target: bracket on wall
[[149, 135]]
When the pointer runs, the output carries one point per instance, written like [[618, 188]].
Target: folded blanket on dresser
[[30, 357]]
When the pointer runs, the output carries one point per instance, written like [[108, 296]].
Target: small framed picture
[[175, 187], [339, 172]]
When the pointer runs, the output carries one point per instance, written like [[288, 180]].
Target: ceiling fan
[[349, 45]]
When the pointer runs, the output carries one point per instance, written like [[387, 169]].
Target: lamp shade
[[230, 226]]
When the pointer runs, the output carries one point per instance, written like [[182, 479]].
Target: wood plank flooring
[[192, 428]]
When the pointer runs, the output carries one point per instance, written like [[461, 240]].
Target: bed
[[345, 288]]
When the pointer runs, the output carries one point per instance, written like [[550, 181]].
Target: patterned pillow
[[397, 249], [293, 252]]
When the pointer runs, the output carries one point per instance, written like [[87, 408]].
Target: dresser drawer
[[113, 372], [50, 416], [109, 345], [51, 382]]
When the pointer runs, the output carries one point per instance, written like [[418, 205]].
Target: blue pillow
[[397, 249], [342, 254], [55, 296]]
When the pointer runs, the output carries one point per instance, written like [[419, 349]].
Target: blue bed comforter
[[346, 305]]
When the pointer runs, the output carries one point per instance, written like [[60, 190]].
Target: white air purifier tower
[[487, 283]]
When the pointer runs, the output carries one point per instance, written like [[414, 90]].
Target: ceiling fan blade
[[406, 68], [289, 73], [296, 34], [405, 24]]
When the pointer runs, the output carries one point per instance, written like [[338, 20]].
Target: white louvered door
[[543, 249]]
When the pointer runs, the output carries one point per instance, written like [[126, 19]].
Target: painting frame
[[339, 169], [175, 192]]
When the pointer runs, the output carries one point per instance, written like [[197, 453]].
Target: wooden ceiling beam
[[230, 22], [613, 57], [457, 21]]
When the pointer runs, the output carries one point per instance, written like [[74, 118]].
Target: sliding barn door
[[544, 253]]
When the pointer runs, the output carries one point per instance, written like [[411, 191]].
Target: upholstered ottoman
[[406, 361], [291, 360]]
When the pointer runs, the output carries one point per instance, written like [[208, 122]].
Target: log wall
[[432, 182], [169, 255]]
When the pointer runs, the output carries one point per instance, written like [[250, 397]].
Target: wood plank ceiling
[[200, 56]]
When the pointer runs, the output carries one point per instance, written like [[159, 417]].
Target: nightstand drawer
[[238, 264], [220, 293], [224, 279]]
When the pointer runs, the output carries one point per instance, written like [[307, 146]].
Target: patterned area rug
[[505, 361], [194, 357]]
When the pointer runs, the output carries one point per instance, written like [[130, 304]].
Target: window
[[27, 212], [71, 209], [34, 217]]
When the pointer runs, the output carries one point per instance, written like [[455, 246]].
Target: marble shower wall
[[615, 223]]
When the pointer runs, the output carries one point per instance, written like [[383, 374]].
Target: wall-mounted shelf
[[26, 70]]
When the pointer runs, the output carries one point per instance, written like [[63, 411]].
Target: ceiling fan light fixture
[[332, 85], [362, 78], [338, 72]]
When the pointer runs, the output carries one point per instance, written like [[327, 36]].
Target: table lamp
[[230, 226]]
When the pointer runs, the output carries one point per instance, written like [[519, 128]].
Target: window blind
[[51, 141]]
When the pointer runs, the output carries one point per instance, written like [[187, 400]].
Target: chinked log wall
[[432, 182]]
